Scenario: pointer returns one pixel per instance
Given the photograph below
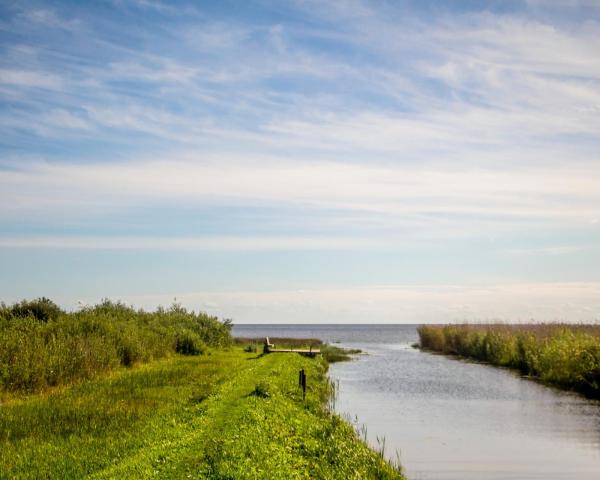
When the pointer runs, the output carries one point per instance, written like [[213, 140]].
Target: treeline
[[564, 355], [42, 345]]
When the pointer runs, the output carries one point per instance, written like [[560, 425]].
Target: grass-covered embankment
[[225, 414], [567, 356]]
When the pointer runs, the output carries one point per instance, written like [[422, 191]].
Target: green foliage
[[42, 346], [432, 338], [189, 343], [564, 355], [261, 390], [42, 309], [332, 354]]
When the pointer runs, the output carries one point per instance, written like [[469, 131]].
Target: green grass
[[567, 356], [332, 353], [221, 415]]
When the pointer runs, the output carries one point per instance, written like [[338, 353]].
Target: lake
[[450, 419]]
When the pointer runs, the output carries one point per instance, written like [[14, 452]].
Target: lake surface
[[451, 419]]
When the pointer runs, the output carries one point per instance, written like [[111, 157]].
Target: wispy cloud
[[48, 19], [30, 79], [543, 251], [206, 243], [368, 124], [557, 196]]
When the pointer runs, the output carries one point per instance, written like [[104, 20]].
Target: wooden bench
[[267, 346]]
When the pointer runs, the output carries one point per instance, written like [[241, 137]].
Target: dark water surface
[[452, 419]]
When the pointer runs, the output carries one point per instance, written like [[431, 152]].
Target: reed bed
[[564, 355]]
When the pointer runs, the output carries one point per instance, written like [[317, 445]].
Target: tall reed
[[565, 355]]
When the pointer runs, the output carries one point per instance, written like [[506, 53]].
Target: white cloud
[[552, 251], [30, 79], [49, 19], [205, 243], [64, 119], [558, 196]]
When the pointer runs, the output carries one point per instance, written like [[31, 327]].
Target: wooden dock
[[270, 348], [293, 350]]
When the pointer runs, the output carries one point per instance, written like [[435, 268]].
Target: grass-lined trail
[[226, 415]]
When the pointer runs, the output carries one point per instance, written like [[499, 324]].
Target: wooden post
[[302, 382]]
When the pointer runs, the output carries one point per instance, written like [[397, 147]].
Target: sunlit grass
[[188, 417]]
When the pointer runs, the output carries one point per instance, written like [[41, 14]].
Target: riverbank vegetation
[[43, 346], [567, 356], [173, 411]]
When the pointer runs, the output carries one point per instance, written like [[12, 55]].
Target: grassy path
[[225, 415]]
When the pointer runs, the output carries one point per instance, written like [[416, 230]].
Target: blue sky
[[304, 161]]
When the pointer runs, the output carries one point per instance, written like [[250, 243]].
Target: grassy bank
[[42, 346], [227, 414], [567, 356]]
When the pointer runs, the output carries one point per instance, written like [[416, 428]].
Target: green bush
[[42, 309], [42, 346], [189, 343]]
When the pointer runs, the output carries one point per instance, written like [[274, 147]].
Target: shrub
[[189, 343], [42, 309]]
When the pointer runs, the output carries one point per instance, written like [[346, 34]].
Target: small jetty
[[268, 347]]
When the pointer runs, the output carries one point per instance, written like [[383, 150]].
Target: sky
[[304, 161]]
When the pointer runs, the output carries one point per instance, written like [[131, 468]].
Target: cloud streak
[[556, 196], [525, 302], [205, 244]]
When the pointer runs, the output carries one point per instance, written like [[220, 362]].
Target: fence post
[[302, 382]]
